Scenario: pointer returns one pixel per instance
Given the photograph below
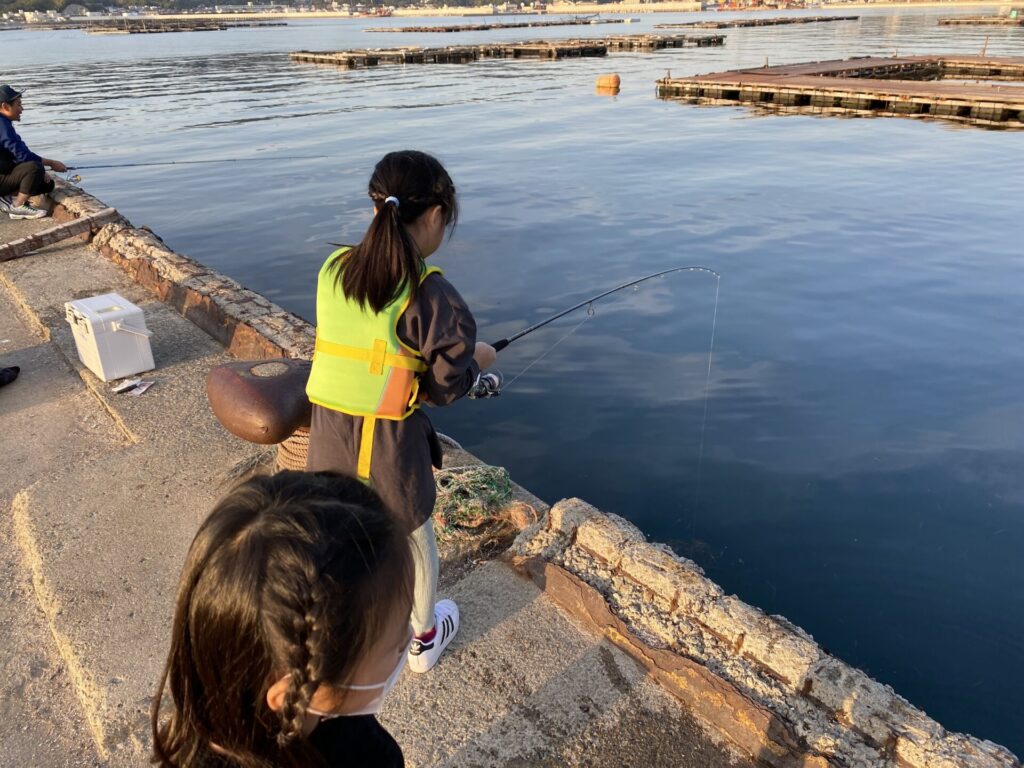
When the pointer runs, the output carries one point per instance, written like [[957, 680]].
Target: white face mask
[[373, 706]]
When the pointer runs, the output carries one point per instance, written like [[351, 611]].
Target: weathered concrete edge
[[247, 324], [758, 680]]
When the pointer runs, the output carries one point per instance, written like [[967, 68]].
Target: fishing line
[[707, 382], [490, 384], [590, 314], [195, 162]]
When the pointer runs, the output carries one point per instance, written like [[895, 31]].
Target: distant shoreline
[[566, 9], [555, 9]]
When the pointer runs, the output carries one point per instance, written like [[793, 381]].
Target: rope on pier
[[292, 453]]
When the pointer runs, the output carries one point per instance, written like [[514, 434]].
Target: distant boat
[[631, 20]]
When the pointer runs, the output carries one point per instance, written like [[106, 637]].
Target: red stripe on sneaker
[[426, 637]]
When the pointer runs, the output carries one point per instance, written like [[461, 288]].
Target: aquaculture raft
[[1012, 18], [908, 87], [143, 26], [536, 49], [769, 22], [505, 25]]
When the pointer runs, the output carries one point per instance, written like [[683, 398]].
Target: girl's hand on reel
[[485, 355]]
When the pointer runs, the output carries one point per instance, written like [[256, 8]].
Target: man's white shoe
[[424, 655], [25, 211]]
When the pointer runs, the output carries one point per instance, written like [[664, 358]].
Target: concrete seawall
[[756, 683], [759, 680]]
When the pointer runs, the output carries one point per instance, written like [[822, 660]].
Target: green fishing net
[[468, 497]]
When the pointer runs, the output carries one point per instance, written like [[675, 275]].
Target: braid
[[304, 658], [288, 584]]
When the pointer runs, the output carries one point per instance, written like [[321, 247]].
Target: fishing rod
[[500, 345], [489, 384], [194, 162]]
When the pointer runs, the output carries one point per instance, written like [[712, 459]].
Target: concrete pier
[[582, 645]]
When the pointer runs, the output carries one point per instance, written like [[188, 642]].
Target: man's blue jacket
[[13, 150]]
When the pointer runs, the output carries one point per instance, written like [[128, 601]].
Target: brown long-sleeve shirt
[[439, 324]]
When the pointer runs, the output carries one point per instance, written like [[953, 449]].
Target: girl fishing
[[393, 334], [291, 625]]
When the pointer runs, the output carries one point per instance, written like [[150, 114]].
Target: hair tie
[[391, 199]]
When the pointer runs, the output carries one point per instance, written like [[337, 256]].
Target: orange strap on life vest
[[376, 357]]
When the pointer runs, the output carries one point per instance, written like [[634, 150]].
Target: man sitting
[[21, 170]]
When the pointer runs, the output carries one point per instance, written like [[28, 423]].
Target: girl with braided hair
[[291, 625], [393, 334]]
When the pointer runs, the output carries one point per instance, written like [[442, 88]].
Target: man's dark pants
[[25, 178]]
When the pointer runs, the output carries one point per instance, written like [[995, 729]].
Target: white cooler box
[[111, 336]]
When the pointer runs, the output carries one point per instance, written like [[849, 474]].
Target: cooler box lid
[[107, 312]]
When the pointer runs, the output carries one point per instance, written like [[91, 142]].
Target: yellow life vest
[[360, 365]]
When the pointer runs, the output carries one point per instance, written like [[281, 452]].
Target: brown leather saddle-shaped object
[[262, 401]]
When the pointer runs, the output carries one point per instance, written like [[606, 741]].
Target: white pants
[[424, 550]]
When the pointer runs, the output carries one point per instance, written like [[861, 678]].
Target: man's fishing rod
[[195, 162], [500, 345], [489, 384]]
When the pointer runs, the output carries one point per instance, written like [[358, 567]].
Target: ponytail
[[388, 262]]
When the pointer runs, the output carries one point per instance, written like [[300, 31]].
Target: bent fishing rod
[[500, 345], [490, 384]]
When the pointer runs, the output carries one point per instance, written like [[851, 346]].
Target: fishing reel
[[486, 385]]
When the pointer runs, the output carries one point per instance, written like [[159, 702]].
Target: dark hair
[[377, 270], [292, 574]]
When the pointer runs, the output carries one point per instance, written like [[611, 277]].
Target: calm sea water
[[862, 453]]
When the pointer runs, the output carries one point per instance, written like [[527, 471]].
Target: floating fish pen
[[152, 27], [905, 87], [538, 49], [241, 24], [484, 27], [769, 22], [1010, 20], [661, 42], [155, 27]]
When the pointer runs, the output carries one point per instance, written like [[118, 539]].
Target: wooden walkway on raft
[[485, 27], [151, 27], [773, 21], [908, 87], [992, 21], [537, 49]]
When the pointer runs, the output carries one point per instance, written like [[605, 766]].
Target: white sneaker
[[25, 211], [423, 656]]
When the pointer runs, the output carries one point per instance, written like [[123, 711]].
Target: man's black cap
[[8, 94]]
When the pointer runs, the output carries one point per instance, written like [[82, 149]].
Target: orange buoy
[[608, 81], [607, 91]]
